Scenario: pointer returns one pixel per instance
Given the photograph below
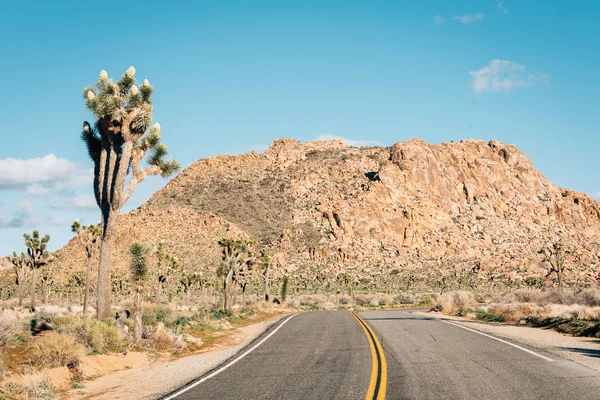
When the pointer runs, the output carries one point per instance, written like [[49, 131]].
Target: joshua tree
[[237, 259], [47, 283], [284, 288], [88, 236], [21, 266], [188, 281], [165, 266], [117, 144], [139, 274], [36, 250], [555, 254], [265, 265]]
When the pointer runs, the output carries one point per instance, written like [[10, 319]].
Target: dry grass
[[55, 349], [97, 336], [10, 327], [453, 302], [31, 387]]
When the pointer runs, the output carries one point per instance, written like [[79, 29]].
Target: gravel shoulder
[[582, 350], [162, 377]]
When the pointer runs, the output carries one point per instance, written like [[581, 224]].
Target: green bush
[[155, 314]]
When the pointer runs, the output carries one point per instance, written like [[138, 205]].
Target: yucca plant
[[22, 268], [139, 253], [88, 236], [117, 143], [38, 255], [237, 260]]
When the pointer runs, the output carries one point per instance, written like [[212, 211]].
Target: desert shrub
[[221, 314], [450, 303], [328, 305], [163, 339], [102, 337], [362, 300], [315, 300], [9, 328], [67, 324], [404, 298], [588, 297], [344, 299], [34, 387], [55, 349], [97, 336], [159, 314]]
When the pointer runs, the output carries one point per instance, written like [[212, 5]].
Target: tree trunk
[[159, 290], [46, 290], [33, 287], [137, 314], [103, 310], [267, 294], [88, 278], [21, 292]]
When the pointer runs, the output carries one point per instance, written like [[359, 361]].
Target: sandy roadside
[[582, 350], [158, 379]]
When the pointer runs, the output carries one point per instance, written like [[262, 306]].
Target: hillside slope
[[426, 213]]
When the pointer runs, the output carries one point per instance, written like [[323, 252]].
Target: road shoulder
[[161, 378], [582, 350]]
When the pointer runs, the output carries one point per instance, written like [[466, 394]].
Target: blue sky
[[231, 76]]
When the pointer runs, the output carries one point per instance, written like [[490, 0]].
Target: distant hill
[[428, 214]]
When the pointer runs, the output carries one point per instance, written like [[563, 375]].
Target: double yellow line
[[378, 384]]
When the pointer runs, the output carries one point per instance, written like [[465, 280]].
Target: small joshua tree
[[139, 274], [88, 236], [555, 255], [265, 265], [117, 144], [36, 250], [237, 260], [21, 266], [284, 288], [166, 265]]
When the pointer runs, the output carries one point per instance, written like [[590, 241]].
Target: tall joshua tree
[[21, 266], [117, 144], [237, 260], [139, 274], [88, 236], [36, 250]]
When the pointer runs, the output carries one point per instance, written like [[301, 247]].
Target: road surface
[[332, 355]]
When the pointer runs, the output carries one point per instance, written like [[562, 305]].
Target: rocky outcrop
[[420, 210]]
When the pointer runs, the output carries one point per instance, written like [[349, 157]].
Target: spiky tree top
[[87, 234], [122, 132], [19, 260], [139, 252], [36, 248]]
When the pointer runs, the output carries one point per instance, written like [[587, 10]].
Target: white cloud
[[501, 6], [349, 142], [469, 18], [439, 19], [595, 195], [504, 75], [42, 175], [82, 202], [21, 215]]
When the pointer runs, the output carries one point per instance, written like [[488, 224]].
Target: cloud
[[595, 195], [42, 175], [349, 142], [503, 76], [439, 19], [81, 202], [469, 18], [501, 7], [21, 215]]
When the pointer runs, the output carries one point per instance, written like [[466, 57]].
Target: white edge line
[[500, 340], [223, 368]]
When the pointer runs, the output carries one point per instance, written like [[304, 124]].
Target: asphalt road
[[327, 355]]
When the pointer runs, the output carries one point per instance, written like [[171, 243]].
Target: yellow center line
[[377, 386]]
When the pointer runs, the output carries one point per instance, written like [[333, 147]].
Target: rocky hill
[[425, 213]]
